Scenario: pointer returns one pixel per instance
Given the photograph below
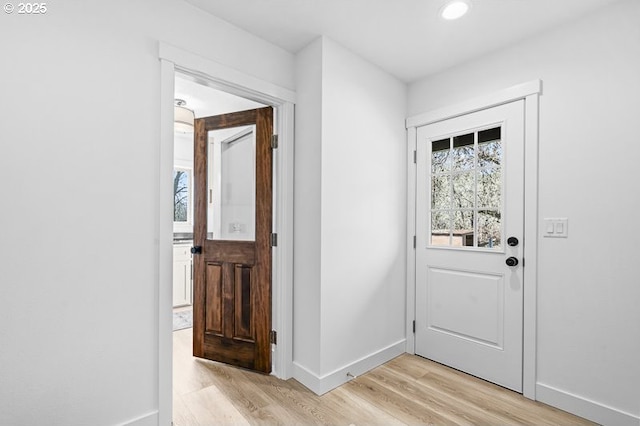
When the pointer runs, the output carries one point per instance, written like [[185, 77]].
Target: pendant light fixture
[[182, 117]]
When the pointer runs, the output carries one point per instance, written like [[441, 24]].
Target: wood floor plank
[[461, 400], [301, 403], [237, 386], [496, 400], [182, 415], [453, 409], [357, 410], [210, 407], [188, 375], [407, 390], [397, 405]]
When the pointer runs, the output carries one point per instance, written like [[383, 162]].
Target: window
[[182, 209], [466, 190]]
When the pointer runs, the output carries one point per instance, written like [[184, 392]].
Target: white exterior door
[[469, 226]]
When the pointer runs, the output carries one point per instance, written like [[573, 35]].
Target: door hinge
[[414, 241], [414, 326], [273, 337], [274, 141], [274, 240], [415, 157]]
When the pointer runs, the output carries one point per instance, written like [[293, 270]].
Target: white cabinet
[[181, 275]]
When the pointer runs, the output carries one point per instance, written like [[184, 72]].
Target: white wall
[[356, 165], [363, 208], [588, 298], [307, 205], [80, 130], [183, 150]]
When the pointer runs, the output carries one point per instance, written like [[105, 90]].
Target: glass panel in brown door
[[232, 229]]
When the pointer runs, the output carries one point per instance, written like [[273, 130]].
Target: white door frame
[[530, 92], [172, 60]]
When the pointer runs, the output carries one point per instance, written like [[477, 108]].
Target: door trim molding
[[227, 78], [530, 93], [513, 93], [172, 60]]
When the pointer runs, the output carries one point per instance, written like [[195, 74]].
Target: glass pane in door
[[463, 190], [440, 192], [463, 153], [440, 155], [489, 229], [440, 229], [231, 180], [489, 188], [466, 190]]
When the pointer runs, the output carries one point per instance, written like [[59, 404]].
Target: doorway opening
[[468, 301], [481, 234], [177, 63], [201, 100]]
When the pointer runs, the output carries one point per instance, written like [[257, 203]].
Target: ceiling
[[404, 37], [205, 101]]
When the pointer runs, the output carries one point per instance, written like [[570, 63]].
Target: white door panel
[[470, 196], [467, 305]]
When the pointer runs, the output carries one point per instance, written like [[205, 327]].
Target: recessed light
[[455, 9]]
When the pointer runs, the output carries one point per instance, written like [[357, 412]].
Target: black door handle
[[512, 261], [196, 250], [512, 241]]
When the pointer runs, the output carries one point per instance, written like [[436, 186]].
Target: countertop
[[176, 242]]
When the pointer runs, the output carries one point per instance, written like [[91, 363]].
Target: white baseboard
[[323, 384], [306, 377], [150, 419], [583, 407]]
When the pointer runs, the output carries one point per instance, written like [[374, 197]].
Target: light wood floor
[[408, 390]]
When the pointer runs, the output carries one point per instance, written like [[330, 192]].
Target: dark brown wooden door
[[232, 227]]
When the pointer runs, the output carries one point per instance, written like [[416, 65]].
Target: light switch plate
[[555, 227]]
